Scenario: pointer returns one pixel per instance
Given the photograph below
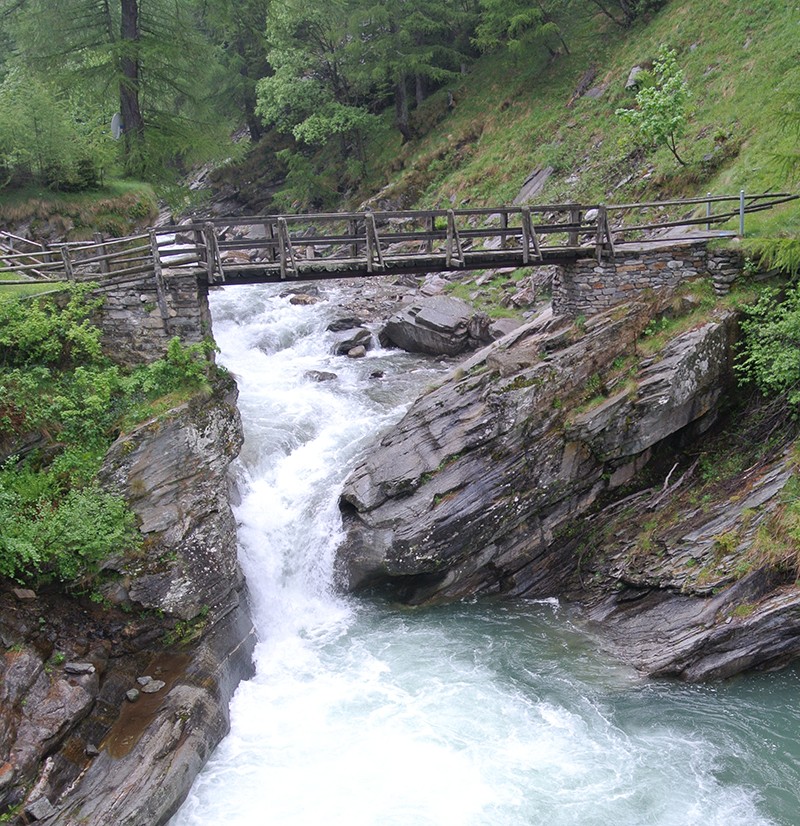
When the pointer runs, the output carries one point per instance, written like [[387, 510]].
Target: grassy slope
[[512, 114], [115, 209]]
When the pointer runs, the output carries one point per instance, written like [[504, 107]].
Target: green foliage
[[63, 539], [661, 116], [55, 522], [151, 61], [516, 24], [769, 351], [782, 251], [48, 136]]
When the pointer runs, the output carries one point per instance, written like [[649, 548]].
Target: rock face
[[437, 325], [464, 495], [490, 486], [74, 741]]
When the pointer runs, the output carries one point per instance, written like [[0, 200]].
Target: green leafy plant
[[768, 351], [662, 102], [57, 523]]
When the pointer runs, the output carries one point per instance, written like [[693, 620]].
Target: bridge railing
[[395, 240], [373, 242]]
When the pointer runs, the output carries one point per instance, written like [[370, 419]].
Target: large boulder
[[437, 325], [467, 493]]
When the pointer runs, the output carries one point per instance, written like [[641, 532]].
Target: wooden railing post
[[601, 231], [373, 243], [67, 259], [353, 233], [158, 273], [430, 226], [575, 213], [288, 261], [269, 234], [529, 239], [741, 213], [104, 265], [453, 250]]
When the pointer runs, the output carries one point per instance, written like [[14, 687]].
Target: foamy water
[[369, 714]]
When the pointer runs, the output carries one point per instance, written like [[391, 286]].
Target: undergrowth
[[62, 403]]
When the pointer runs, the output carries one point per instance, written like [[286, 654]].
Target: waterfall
[[363, 713]]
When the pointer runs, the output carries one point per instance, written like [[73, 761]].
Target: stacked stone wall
[[586, 286], [138, 323]]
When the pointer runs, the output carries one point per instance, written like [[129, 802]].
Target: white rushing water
[[367, 714]]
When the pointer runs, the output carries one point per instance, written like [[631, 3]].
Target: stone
[[320, 375], [6, 775], [436, 326], [357, 352], [304, 300], [345, 340], [24, 594], [345, 323], [533, 184], [503, 326], [79, 668], [40, 809], [132, 695], [433, 285], [144, 680], [91, 750], [153, 686], [632, 81]]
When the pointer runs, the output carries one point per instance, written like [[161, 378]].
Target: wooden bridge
[[282, 248]]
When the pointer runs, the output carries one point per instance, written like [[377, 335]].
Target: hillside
[[516, 113]]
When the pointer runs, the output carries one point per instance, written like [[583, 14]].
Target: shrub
[[768, 351]]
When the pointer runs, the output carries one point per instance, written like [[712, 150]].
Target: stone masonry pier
[[586, 286]]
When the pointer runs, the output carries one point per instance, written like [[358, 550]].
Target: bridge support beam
[[586, 287], [138, 319]]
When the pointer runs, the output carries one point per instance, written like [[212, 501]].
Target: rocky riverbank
[[112, 702], [503, 482]]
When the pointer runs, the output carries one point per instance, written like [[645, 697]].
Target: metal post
[[741, 214], [708, 212]]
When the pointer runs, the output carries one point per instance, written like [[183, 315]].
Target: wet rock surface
[[437, 325], [81, 739], [485, 484]]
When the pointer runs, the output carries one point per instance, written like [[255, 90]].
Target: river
[[363, 713]]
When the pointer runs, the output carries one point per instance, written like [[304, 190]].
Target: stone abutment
[[586, 287]]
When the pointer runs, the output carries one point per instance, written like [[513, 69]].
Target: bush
[[769, 352], [55, 522], [63, 539]]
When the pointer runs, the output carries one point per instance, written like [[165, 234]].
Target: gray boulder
[[437, 325], [346, 340]]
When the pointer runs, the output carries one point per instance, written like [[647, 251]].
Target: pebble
[[132, 695], [153, 686]]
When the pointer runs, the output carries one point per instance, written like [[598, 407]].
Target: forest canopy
[[183, 75]]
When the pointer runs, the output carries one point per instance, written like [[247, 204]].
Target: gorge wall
[[492, 482], [109, 707]]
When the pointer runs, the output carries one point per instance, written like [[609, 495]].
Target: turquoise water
[[365, 714]]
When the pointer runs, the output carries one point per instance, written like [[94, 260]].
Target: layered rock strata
[[79, 750], [483, 486]]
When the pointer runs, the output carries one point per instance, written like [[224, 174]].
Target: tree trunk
[[132, 121], [419, 89], [401, 109]]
